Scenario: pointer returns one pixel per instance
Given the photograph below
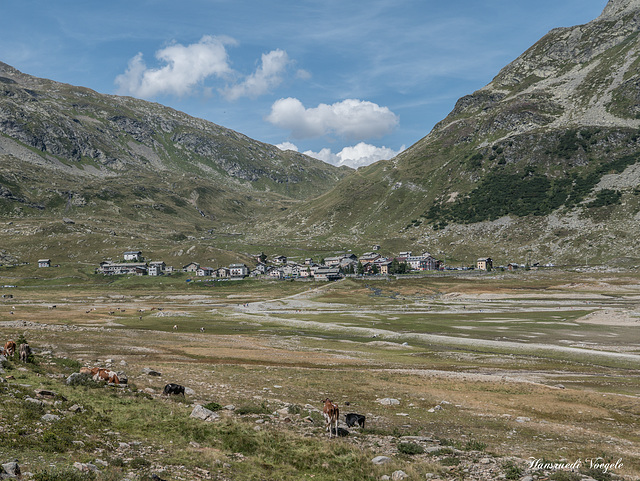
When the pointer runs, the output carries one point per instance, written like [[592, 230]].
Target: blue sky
[[348, 82]]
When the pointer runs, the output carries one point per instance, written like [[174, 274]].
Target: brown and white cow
[[100, 374], [331, 414], [10, 348]]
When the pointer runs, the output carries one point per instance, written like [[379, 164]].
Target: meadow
[[486, 372]]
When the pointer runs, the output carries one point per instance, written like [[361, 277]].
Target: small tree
[[360, 268]]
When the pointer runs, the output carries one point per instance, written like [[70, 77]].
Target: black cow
[[172, 388], [352, 419]]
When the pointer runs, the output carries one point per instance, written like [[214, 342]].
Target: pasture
[[489, 371]]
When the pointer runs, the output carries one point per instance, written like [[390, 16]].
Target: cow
[[331, 414], [172, 388], [25, 352], [352, 419], [10, 348], [100, 374]]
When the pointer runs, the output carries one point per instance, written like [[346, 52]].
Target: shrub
[[511, 470], [410, 448], [473, 445], [212, 406]]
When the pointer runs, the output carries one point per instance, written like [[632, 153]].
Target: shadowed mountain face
[[540, 163]]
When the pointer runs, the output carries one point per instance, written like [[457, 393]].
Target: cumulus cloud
[[353, 119], [186, 66], [354, 156], [267, 76], [287, 146]]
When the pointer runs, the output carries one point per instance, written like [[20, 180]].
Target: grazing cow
[[10, 348], [352, 419], [25, 352], [202, 329], [100, 374], [331, 414], [172, 388], [175, 327]]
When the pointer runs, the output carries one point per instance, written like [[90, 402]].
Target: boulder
[[388, 401], [381, 460], [12, 469], [50, 418], [151, 372], [399, 475], [200, 412]]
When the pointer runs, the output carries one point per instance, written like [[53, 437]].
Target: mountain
[[119, 166], [540, 164]]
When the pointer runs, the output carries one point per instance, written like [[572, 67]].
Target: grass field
[[489, 372]]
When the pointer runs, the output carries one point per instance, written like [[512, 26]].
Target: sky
[[347, 82]]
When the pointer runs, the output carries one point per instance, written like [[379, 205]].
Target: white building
[[238, 270], [135, 256]]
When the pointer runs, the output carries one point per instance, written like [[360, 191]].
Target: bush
[[511, 470], [212, 406], [410, 448], [473, 445]]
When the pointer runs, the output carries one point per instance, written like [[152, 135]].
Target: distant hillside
[[542, 163], [121, 166]]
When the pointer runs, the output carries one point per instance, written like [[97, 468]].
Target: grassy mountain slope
[[541, 163], [132, 174]]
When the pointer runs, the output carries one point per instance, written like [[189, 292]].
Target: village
[[280, 267]]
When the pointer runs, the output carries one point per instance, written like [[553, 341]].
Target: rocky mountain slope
[[80, 131], [121, 166], [541, 163]]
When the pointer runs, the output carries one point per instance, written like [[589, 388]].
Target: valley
[[487, 369]]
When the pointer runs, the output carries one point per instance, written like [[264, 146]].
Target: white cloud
[[351, 118], [267, 76], [287, 146], [185, 67], [355, 156], [365, 154]]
